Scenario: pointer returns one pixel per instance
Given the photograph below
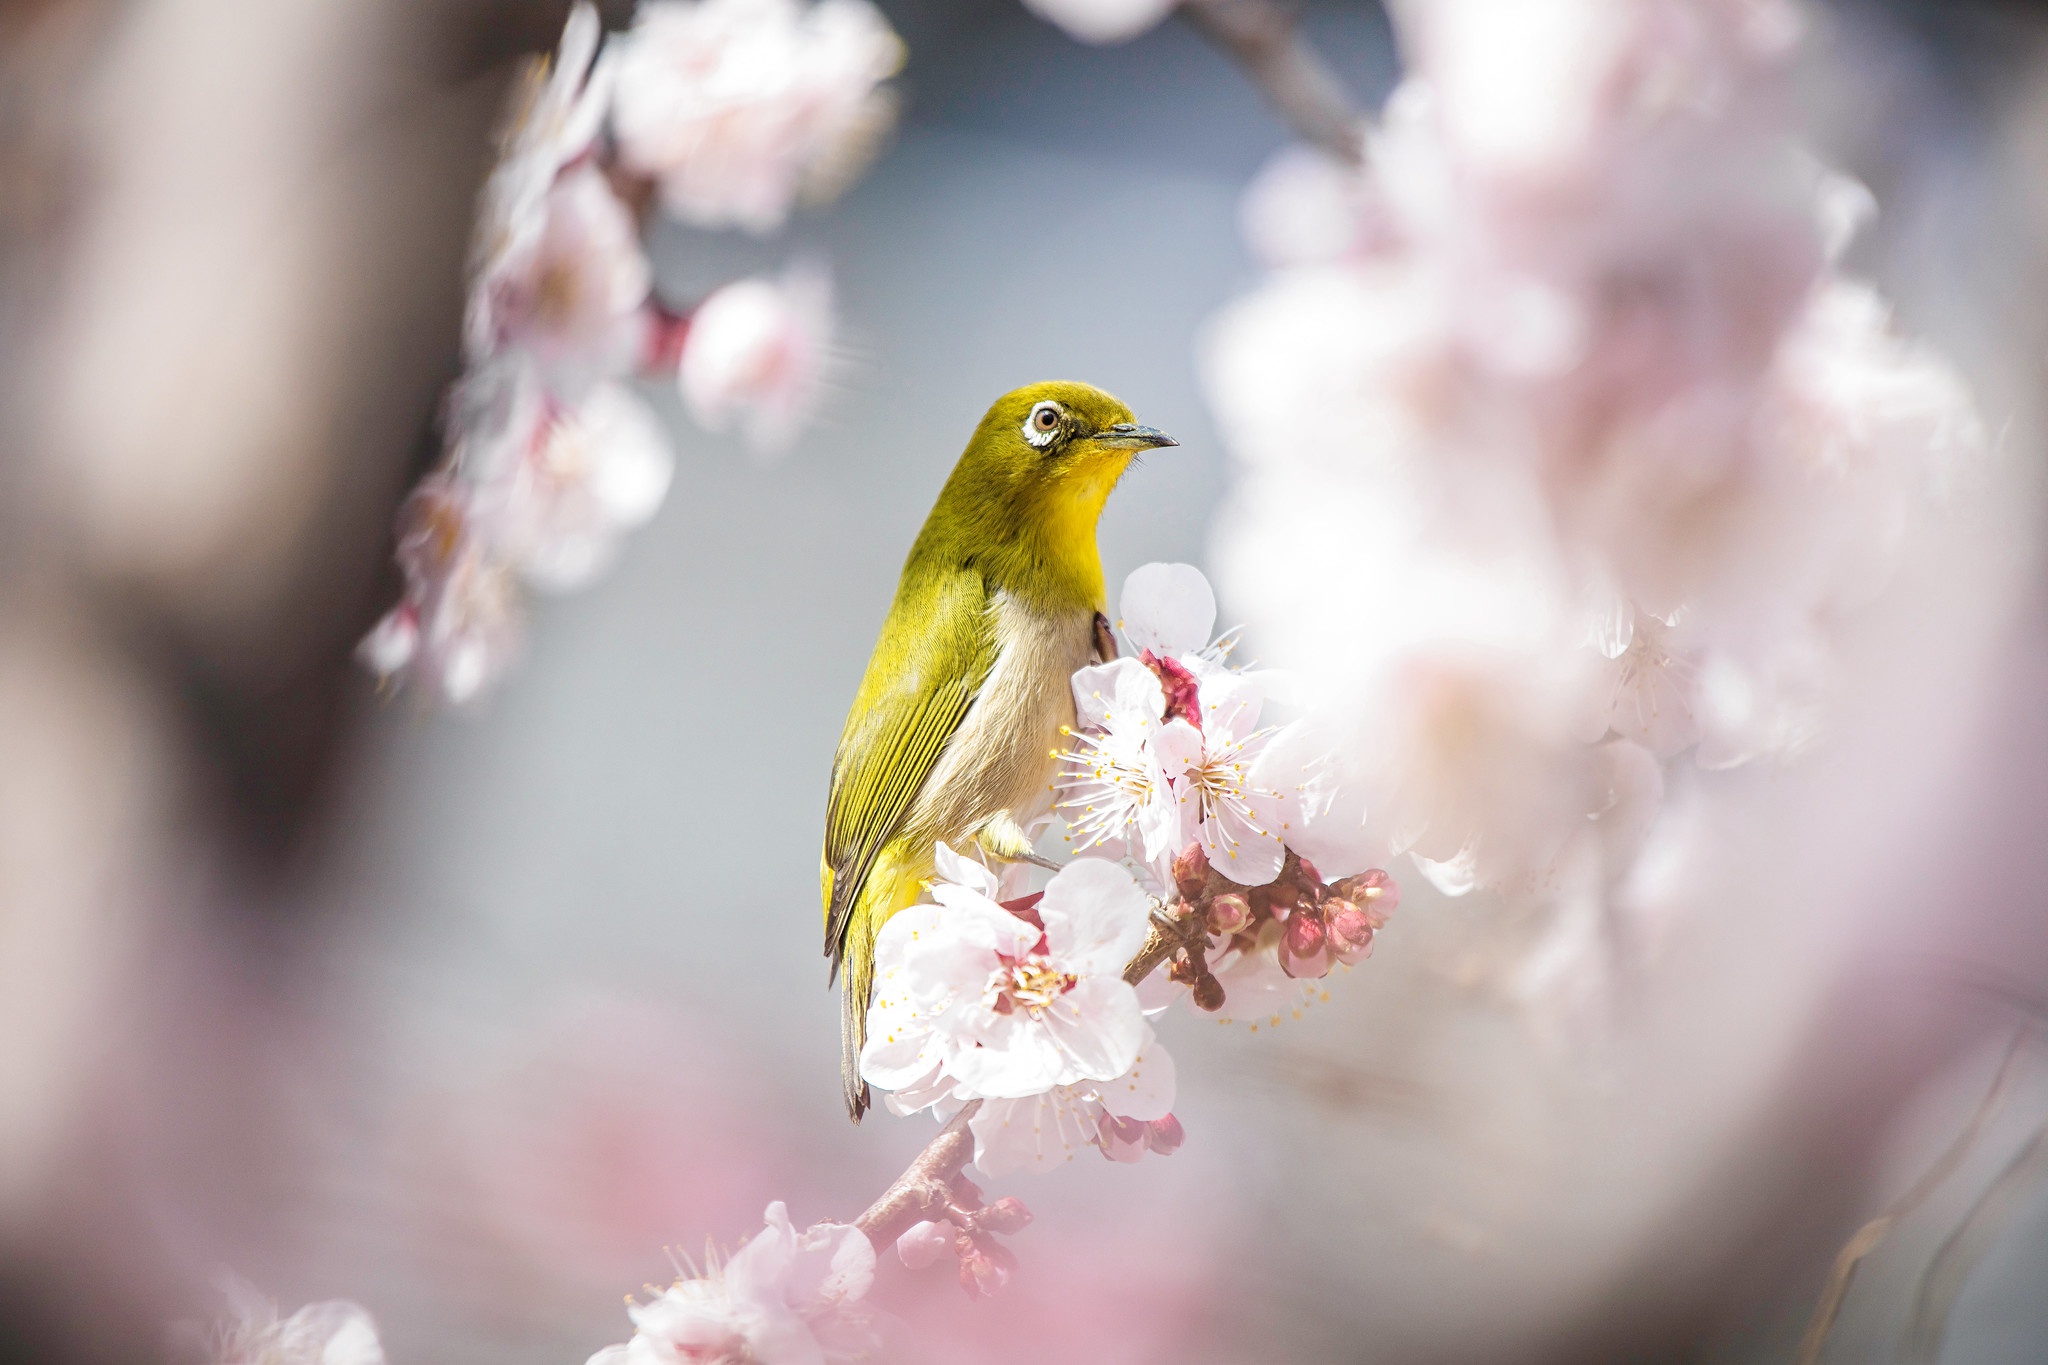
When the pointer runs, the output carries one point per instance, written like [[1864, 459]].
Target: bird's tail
[[856, 981]]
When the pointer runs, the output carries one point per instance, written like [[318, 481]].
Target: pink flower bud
[[1006, 1215], [1304, 934], [1229, 913], [1166, 1135], [926, 1243], [1351, 931], [1374, 892]]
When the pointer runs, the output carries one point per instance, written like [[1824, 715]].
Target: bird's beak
[[1132, 435]]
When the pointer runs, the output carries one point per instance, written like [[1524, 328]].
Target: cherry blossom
[[1117, 1117], [460, 622], [1565, 447], [573, 479], [561, 114], [785, 1298], [330, 1333], [757, 355], [570, 291], [733, 106], [979, 1003], [1118, 778]]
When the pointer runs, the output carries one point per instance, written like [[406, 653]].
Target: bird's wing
[[935, 651]]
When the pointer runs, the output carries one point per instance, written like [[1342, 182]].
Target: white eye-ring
[[1042, 427]]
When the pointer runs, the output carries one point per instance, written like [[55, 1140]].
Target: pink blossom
[[785, 1298], [733, 106], [757, 355], [562, 115], [570, 290], [572, 480], [460, 622]]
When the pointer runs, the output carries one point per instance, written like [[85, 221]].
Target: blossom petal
[[1146, 1091], [1096, 917], [1098, 1027], [1169, 609], [1121, 692]]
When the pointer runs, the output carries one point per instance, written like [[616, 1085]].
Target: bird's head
[[1040, 467]]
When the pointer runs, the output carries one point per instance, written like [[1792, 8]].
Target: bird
[[954, 732]]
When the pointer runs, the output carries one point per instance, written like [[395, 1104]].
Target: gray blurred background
[[467, 1016]]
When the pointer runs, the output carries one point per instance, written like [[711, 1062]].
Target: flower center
[[1030, 984]]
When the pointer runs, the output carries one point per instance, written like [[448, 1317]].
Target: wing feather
[[934, 654]]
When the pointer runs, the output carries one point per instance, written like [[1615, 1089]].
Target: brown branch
[[1263, 37], [1872, 1233], [926, 1187]]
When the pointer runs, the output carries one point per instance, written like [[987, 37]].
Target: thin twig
[[1868, 1237], [1263, 37]]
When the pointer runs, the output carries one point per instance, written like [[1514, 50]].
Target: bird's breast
[[1001, 757]]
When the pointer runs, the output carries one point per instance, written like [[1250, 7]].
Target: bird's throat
[[1065, 528]]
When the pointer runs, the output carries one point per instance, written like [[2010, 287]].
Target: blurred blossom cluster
[[723, 111], [1175, 798], [1567, 449], [785, 1298], [331, 1333]]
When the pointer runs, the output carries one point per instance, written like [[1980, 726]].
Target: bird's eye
[[1042, 427]]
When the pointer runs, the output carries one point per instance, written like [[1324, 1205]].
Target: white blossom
[[1116, 788], [1040, 1132], [973, 1000], [330, 1333], [731, 105], [757, 355], [785, 1298]]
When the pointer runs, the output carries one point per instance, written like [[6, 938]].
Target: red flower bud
[[1191, 871], [1128, 1131], [1006, 1215], [1166, 1135], [1208, 993], [1304, 933]]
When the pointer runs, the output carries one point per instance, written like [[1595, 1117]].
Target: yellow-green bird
[[953, 733]]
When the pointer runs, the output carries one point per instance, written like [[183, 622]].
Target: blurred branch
[[481, 35], [1263, 37], [1946, 1274], [1872, 1233]]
